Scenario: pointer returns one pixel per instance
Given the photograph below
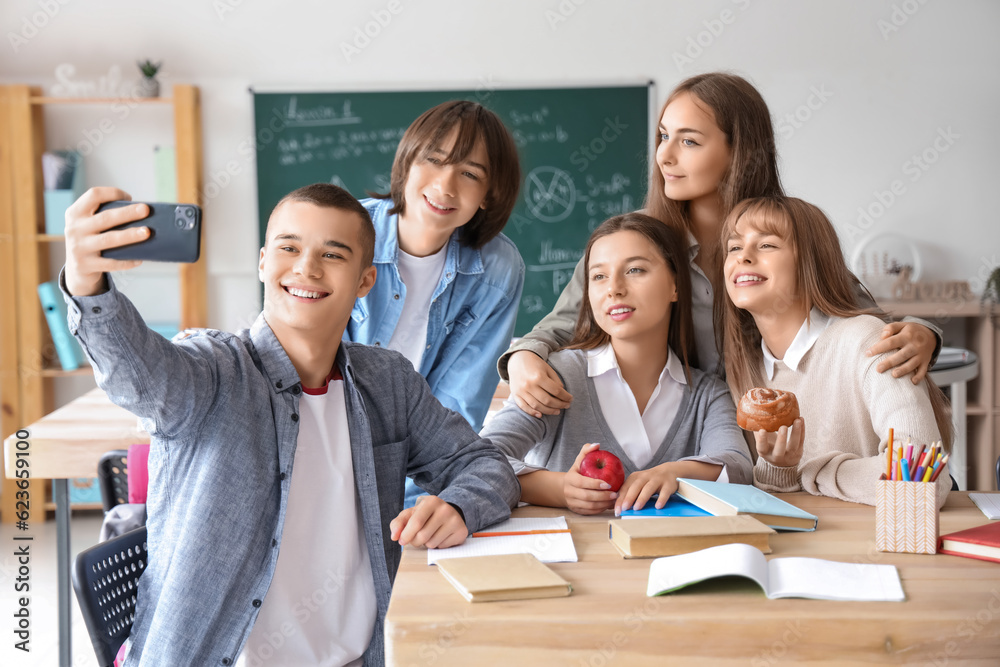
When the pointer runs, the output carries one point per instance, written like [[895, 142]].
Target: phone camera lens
[[189, 212]]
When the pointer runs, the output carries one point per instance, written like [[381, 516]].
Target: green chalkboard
[[583, 153]]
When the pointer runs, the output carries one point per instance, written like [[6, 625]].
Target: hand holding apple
[[586, 495], [605, 466]]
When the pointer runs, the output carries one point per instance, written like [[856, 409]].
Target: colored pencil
[[521, 532]]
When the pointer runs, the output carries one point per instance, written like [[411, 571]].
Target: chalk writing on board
[[550, 193], [344, 145], [296, 116]]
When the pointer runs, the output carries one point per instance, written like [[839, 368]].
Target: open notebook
[[790, 577]]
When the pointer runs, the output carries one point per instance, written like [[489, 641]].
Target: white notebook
[[989, 503], [790, 577], [551, 543]]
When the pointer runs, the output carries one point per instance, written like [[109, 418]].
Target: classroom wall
[[885, 111]]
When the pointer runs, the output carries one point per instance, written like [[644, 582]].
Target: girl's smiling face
[[693, 154], [761, 268], [630, 287]]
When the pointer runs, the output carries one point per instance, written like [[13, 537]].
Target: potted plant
[[991, 290], [149, 86]]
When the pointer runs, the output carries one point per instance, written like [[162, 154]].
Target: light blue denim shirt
[[471, 320], [222, 410]]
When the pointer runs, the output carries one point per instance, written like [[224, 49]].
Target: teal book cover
[[67, 349], [721, 498]]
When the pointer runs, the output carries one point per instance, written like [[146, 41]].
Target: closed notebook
[[667, 536], [722, 499], [790, 577], [503, 577], [981, 542]]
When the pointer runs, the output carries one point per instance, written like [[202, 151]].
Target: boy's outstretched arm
[[171, 386], [86, 239]]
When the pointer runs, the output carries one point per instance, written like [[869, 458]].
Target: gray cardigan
[[704, 429]]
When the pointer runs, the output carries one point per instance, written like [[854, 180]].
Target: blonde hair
[[822, 281]]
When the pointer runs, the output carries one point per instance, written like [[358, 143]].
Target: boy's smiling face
[[311, 267], [439, 197]]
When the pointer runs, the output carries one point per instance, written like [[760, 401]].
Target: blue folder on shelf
[[67, 349], [676, 506]]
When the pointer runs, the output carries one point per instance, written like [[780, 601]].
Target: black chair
[[105, 578], [112, 477]]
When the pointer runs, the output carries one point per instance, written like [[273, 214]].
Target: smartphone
[[175, 233]]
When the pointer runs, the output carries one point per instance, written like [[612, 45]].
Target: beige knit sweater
[[848, 408]]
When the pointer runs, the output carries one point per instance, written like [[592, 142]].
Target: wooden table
[[951, 615], [64, 444]]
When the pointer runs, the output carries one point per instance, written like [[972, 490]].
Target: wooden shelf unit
[[26, 383], [982, 335]]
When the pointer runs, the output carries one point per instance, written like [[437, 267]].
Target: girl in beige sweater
[[792, 323]]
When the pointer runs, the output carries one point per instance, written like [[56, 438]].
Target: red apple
[[604, 466]]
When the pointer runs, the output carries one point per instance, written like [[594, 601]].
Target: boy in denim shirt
[[278, 453]]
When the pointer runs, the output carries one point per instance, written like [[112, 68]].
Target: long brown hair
[[822, 281], [474, 122], [742, 115], [680, 336]]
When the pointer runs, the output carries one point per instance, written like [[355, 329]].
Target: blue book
[[68, 350], [676, 506], [723, 499]]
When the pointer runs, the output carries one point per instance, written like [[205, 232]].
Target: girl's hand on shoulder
[[784, 448], [535, 386], [912, 346], [586, 495], [643, 484]]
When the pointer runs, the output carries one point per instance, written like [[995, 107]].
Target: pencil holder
[[906, 517]]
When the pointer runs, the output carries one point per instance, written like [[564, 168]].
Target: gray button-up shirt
[[222, 410]]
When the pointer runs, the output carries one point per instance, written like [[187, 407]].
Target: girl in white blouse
[[630, 365]]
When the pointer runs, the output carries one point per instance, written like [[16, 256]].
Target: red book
[[981, 542]]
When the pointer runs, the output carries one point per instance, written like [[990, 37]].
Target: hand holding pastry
[[767, 409], [782, 449]]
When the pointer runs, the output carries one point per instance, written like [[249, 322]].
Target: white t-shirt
[[421, 276], [320, 608]]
